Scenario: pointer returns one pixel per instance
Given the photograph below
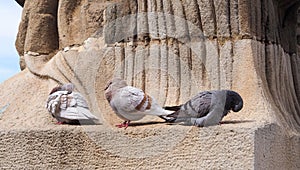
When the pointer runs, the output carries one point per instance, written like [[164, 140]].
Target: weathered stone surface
[[272, 145], [78, 20], [172, 50], [38, 29], [88, 148]]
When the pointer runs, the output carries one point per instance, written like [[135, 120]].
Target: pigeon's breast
[[133, 116]]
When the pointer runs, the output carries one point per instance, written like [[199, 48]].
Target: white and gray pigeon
[[131, 103], [206, 108], [68, 106]]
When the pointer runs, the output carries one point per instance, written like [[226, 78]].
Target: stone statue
[[172, 49]]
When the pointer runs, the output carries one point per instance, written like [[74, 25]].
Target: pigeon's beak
[[106, 88], [107, 85]]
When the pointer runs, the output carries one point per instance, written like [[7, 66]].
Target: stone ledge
[[88, 147]]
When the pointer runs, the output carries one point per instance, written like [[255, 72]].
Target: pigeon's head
[[112, 86], [55, 89], [115, 84], [68, 87], [234, 101]]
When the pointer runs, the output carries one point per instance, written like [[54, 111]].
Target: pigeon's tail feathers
[[172, 108], [158, 111], [171, 117], [168, 119], [174, 117], [168, 112]]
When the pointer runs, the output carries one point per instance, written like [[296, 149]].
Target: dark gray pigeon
[[206, 108]]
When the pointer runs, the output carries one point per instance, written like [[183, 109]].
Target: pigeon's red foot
[[124, 124], [60, 123]]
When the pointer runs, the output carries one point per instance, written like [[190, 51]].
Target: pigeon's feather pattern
[[67, 106], [53, 102], [74, 106], [198, 106], [80, 100], [131, 96], [125, 101], [131, 103], [208, 107]]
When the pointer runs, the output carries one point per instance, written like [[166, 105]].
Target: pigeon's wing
[[197, 107], [75, 107], [216, 109], [53, 104], [83, 107], [77, 113], [129, 98], [202, 103], [80, 100], [126, 103]]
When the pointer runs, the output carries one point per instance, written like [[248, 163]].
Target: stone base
[[233, 145]]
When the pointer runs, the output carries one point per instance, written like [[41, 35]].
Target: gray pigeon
[[130, 103], [68, 106], [206, 108]]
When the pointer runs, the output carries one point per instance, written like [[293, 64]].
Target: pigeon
[[207, 108], [68, 106], [131, 103]]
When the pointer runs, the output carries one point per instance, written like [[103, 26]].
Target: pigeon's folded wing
[[196, 107], [129, 98], [54, 102], [76, 107], [126, 101], [201, 104], [80, 100]]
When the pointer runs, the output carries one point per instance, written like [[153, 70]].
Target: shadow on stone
[[146, 123], [236, 121], [82, 122]]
